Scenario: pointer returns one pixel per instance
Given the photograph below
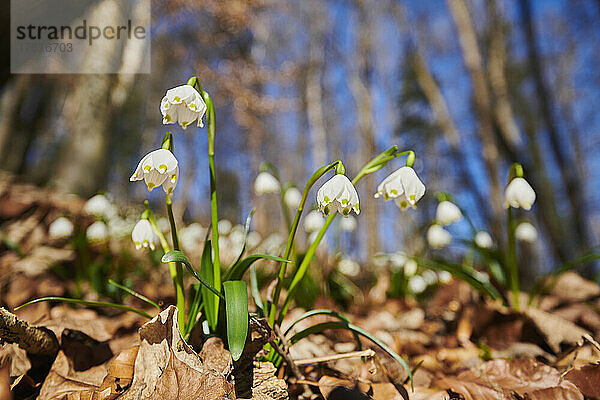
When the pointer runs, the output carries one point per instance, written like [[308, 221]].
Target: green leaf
[[324, 312], [178, 256], [87, 303], [195, 300], [236, 272], [236, 308], [256, 293], [318, 328], [134, 293], [463, 273]]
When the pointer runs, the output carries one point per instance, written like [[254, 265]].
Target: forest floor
[[460, 345]]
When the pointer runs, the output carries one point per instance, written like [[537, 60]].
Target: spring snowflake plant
[[502, 271], [215, 290]]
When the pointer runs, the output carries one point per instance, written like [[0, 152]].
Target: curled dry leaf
[[500, 379], [571, 286], [167, 368], [555, 329], [587, 379]]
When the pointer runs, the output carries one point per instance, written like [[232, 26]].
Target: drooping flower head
[[404, 186], [97, 232], [519, 193], [158, 168], [266, 183], [438, 237], [526, 232], [60, 228], [338, 194], [313, 221], [447, 213], [100, 206], [348, 224], [143, 235], [483, 240], [292, 198], [182, 104]]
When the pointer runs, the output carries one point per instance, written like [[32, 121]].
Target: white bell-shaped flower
[[266, 183], [438, 237], [404, 186], [100, 206], [519, 194], [143, 235], [60, 228], [182, 104], [292, 198], [447, 213], [338, 194], [348, 224], [410, 267], [526, 232], [430, 277], [416, 284], [97, 232], [157, 168], [348, 267], [313, 221], [483, 240], [444, 277]]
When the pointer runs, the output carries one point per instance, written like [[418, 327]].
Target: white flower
[[97, 232], [143, 235], [444, 277], [410, 267], [191, 237], [338, 194], [266, 183], [348, 224], [253, 239], [526, 232], [313, 221], [416, 284], [119, 227], [398, 259], [182, 104], [483, 240], [60, 228], [447, 213], [348, 266], [430, 277], [438, 237], [519, 194], [292, 198], [404, 186], [100, 206], [224, 227], [156, 168]]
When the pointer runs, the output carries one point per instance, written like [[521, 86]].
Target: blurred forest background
[[470, 86]]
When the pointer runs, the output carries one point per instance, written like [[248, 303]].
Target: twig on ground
[[334, 357], [33, 340]]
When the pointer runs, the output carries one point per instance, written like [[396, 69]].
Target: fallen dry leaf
[[571, 286], [587, 379], [167, 368], [555, 329]]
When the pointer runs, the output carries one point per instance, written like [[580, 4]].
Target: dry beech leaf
[[587, 379], [387, 391], [120, 373], [167, 368], [499, 379], [572, 287], [556, 330], [423, 393], [63, 383], [5, 393], [333, 388]]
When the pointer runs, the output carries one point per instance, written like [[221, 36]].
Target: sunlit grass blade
[[236, 309], [463, 273], [260, 307], [318, 328], [330, 313], [87, 303], [134, 293], [195, 299], [236, 272]]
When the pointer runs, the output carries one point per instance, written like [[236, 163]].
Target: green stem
[[512, 259], [178, 276], [290, 242], [372, 166]]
